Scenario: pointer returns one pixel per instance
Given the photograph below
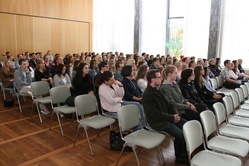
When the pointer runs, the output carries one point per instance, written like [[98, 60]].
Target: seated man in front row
[[161, 116]]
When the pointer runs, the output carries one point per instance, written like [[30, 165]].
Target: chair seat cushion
[[245, 107], [234, 131], [242, 113], [209, 158], [144, 138], [47, 99], [229, 145], [65, 109], [239, 121], [96, 122]]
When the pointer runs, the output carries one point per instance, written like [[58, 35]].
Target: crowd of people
[[167, 90]]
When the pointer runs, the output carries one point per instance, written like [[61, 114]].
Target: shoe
[[45, 111]]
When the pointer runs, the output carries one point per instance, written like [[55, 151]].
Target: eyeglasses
[[157, 77]]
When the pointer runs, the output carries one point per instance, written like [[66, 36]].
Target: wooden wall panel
[[67, 9], [7, 34], [24, 33], [62, 26], [41, 34]]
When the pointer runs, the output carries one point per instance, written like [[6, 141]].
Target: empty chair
[[214, 83], [128, 117], [5, 89], [241, 99], [231, 118], [18, 95], [247, 88], [245, 92], [236, 104], [39, 89], [86, 104], [193, 135], [226, 129], [59, 95], [220, 143], [220, 88]]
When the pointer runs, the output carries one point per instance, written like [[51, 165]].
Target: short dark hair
[[151, 74], [117, 65], [155, 59], [126, 70], [21, 60], [59, 69], [107, 75], [186, 73], [226, 62], [102, 64]]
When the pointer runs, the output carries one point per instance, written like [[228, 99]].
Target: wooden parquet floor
[[25, 141]]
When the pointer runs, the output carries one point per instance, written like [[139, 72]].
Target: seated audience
[[7, 75], [61, 77], [172, 93], [41, 73], [117, 74], [141, 77], [188, 89], [228, 81], [161, 116], [214, 70]]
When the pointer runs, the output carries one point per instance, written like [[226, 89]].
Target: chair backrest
[[228, 105], [85, 104], [128, 117], [214, 83], [235, 97], [220, 112], [39, 88], [193, 135], [208, 123], [240, 94], [247, 87], [244, 90], [219, 81], [59, 94]]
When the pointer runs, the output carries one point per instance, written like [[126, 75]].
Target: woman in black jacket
[[188, 89]]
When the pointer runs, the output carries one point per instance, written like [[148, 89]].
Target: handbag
[[8, 103], [116, 142]]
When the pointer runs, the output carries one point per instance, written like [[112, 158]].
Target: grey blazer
[[58, 81], [19, 79]]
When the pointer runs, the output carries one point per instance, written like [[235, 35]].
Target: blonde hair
[[167, 70]]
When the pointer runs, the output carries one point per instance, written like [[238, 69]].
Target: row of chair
[[226, 131]]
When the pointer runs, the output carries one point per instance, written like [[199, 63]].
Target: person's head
[[240, 61], [108, 78], [206, 71], [141, 63], [187, 76], [19, 56], [61, 69], [142, 71], [169, 73], [126, 71], [7, 63], [23, 64], [111, 63], [212, 62], [227, 63], [231, 66], [192, 64], [46, 58], [119, 65], [103, 66], [40, 64], [217, 61], [83, 69], [156, 62], [154, 78], [178, 65], [93, 64], [199, 73], [76, 64], [58, 60], [235, 62]]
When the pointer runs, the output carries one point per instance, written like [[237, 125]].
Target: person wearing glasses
[[161, 115]]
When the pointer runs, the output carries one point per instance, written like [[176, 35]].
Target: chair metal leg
[[76, 136], [90, 146], [4, 96], [98, 132], [134, 150], [72, 118], [38, 111], [161, 155], [18, 100], [120, 154], [51, 119], [59, 120]]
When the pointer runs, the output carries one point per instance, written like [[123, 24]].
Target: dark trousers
[[231, 85], [175, 130]]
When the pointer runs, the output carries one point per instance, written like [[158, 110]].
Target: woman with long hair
[[82, 81], [207, 96], [61, 77], [141, 77], [7, 74], [188, 89], [41, 73]]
